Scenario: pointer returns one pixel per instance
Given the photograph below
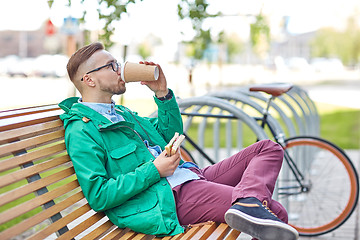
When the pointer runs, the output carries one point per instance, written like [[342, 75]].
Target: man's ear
[[88, 81]]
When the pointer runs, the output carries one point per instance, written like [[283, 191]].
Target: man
[[123, 170]]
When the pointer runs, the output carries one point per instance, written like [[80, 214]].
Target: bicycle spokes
[[325, 194]]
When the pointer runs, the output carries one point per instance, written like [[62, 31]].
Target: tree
[[234, 46], [345, 44], [114, 10], [260, 35], [196, 11], [144, 50]]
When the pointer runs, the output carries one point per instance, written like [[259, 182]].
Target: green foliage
[[260, 35], [144, 50], [196, 11], [234, 46], [341, 44], [114, 10]]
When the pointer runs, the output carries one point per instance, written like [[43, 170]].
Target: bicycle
[[319, 185]]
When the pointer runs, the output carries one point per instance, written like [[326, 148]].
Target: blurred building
[[46, 40], [22, 43], [294, 46]]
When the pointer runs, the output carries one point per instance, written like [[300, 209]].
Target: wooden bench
[[40, 196]]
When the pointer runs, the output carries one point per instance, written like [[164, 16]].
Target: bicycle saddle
[[274, 89]]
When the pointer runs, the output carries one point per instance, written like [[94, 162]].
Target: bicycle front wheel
[[331, 186]]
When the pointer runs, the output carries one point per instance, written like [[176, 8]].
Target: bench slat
[[30, 130], [142, 236], [163, 238], [204, 232], [178, 237], [190, 233], [32, 156], [28, 110], [233, 235], [37, 202], [220, 232], [100, 231], [31, 142], [129, 235], [82, 226], [36, 185], [117, 233], [13, 123], [30, 171], [40, 217], [42, 234]]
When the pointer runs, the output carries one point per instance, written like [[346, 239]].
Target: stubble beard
[[119, 89]]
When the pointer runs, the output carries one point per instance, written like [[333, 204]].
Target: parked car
[[15, 66], [297, 64], [51, 65], [327, 65]]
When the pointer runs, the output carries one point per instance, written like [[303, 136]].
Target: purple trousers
[[250, 173]]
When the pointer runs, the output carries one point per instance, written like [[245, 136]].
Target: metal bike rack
[[299, 123], [204, 109], [308, 108], [244, 99], [207, 107]]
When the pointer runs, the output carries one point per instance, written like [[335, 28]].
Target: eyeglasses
[[114, 66]]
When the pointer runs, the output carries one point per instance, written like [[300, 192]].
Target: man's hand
[[159, 87], [166, 166]]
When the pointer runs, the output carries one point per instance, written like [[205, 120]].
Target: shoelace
[[265, 205]]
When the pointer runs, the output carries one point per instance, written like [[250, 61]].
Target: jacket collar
[[75, 110]]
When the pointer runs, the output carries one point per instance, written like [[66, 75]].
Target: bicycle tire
[[334, 186]]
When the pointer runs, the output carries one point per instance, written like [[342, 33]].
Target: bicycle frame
[[280, 139]]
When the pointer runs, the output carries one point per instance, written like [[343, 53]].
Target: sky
[[159, 17]]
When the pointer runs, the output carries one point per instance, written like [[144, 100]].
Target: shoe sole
[[261, 229]]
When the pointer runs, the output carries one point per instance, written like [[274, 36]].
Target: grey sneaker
[[250, 216]]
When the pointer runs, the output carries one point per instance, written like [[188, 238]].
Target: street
[[17, 92]]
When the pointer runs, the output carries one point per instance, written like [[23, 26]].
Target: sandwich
[[174, 144]]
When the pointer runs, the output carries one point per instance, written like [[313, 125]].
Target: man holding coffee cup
[[123, 170]]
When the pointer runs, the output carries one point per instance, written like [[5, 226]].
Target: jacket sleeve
[[169, 118], [89, 159]]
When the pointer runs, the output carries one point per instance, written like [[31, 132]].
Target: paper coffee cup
[[135, 72]]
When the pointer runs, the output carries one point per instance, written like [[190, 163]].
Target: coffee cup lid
[[156, 73], [122, 71]]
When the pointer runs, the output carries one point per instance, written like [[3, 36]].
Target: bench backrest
[[40, 196], [37, 179]]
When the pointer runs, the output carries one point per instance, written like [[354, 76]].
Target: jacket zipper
[[128, 110], [101, 130]]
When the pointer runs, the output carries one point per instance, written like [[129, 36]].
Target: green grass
[[341, 127]]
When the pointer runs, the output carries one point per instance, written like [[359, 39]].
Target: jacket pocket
[[125, 157], [141, 213]]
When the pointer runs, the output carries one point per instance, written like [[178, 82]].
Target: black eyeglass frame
[[115, 69]]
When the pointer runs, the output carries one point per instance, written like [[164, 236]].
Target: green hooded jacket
[[115, 168]]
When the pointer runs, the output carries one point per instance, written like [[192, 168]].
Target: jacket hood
[[67, 103], [75, 111], [69, 115]]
